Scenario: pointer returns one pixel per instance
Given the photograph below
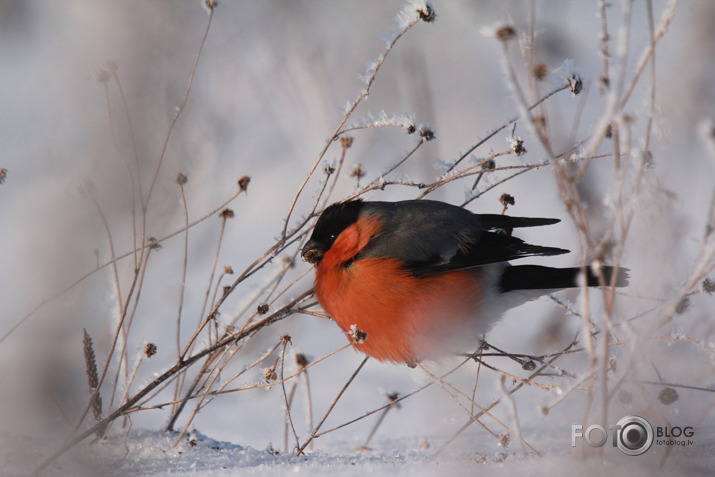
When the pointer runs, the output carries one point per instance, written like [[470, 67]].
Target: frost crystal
[[382, 119]]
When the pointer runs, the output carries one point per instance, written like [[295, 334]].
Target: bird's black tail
[[536, 277]]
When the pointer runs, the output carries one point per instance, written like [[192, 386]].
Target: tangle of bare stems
[[568, 166]]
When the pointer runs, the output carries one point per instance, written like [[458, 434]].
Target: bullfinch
[[421, 279]]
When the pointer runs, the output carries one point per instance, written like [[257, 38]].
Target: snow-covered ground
[[143, 452]]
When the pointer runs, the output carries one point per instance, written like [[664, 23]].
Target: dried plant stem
[[380, 419], [180, 366], [454, 394], [349, 111], [182, 286], [496, 402], [130, 319], [504, 126], [52, 298], [396, 401], [287, 421], [330, 408], [178, 405], [344, 145], [204, 321], [603, 40], [184, 268], [134, 180], [308, 401], [121, 332], [286, 401], [179, 108], [649, 52], [509, 398], [221, 389]]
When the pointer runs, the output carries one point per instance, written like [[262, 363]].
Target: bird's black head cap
[[334, 219]]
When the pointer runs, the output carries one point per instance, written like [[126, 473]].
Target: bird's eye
[[332, 236]]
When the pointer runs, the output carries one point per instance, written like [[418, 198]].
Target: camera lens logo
[[634, 435]]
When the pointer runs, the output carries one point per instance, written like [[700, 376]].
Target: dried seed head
[[505, 33], [102, 75], [3, 175], [504, 440], [270, 374], [609, 131], [426, 133], [708, 286], [226, 290], [517, 145], [539, 71], [149, 350], [285, 339], [182, 178], [210, 5], [262, 309], [668, 396], [427, 14], [92, 380], [301, 360], [226, 214], [153, 243], [243, 183], [228, 270], [507, 200], [346, 141], [90, 361], [329, 170], [287, 262], [490, 164], [357, 172], [529, 365], [358, 336], [575, 84]]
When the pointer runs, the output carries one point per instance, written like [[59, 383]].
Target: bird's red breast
[[406, 319]]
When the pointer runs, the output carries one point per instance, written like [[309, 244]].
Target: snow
[[146, 452]]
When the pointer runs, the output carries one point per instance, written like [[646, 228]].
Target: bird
[[419, 280]]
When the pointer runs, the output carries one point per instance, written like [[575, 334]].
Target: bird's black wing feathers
[[491, 247], [428, 237], [497, 221]]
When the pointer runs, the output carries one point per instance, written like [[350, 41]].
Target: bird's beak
[[312, 252]]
